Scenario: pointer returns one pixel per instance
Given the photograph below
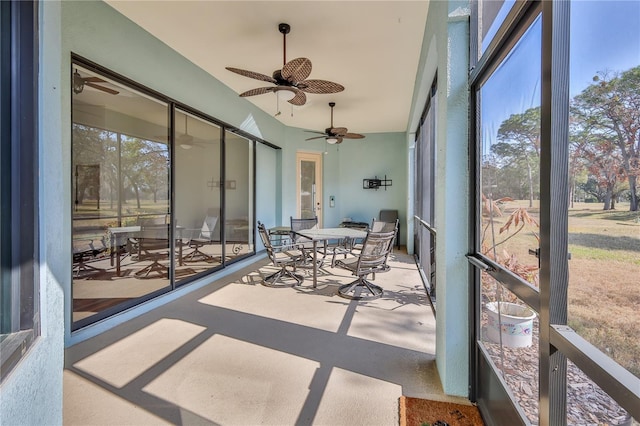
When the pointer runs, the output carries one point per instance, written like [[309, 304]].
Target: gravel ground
[[587, 404]]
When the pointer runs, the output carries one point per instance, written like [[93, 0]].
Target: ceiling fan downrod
[[284, 29]]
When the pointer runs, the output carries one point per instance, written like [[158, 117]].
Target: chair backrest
[[301, 224], [266, 241], [382, 226], [388, 215], [208, 226], [375, 251], [153, 237]]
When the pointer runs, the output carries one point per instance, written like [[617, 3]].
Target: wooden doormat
[[424, 412]]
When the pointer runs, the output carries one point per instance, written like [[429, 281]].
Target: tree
[[519, 145], [610, 110]]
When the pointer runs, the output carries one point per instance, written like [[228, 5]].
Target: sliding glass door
[[162, 194], [120, 183]]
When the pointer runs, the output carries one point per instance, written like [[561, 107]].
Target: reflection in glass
[[197, 193], [604, 221], [510, 335], [120, 186], [492, 14], [238, 187], [510, 169]]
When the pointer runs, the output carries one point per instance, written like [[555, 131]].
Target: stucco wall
[[446, 50], [32, 393]]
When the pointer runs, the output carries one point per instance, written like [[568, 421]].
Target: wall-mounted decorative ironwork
[[376, 183]]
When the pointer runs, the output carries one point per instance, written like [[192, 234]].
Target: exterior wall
[[32, 393], [345, 166], [446, 49]]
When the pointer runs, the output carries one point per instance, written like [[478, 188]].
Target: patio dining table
[[326, 234]]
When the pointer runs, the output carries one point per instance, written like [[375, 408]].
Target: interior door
[[309, 185]]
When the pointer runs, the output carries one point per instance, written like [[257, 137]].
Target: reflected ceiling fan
[[186, 141], [335, 135], [290, 82], [79, 82]]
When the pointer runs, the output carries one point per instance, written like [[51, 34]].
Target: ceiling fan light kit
[[291, 79]]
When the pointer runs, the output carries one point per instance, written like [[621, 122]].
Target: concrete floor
[[238, 353]]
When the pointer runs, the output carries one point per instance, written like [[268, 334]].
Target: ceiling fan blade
[[339, 140], [320, 86], [339, 131], [318, 133], [316, 137], [352, 136], [104, 89], [258, 91], [299, 99], [252, 74], [296, 70]]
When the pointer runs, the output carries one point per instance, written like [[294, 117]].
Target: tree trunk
[[607, 199], [530, 185], [633, 205]]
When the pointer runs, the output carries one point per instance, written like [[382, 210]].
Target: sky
[[605, 35]]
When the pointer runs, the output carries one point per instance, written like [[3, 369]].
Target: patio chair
[[283, 256], [199, 238], [391, 216], [305, 243], [152, 243], [372, 258]]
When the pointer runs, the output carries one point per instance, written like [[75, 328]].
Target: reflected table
[[119, 236]]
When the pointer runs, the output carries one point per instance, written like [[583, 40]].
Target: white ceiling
[[372, 48]]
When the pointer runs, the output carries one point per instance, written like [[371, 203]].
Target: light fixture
[[332, 140], [186, 146], [285, 95]]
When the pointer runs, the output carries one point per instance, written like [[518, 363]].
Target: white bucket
[[517, 324]]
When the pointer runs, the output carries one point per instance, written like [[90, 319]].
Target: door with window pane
[[309, 185]]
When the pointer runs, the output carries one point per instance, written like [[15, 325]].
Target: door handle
[[536, 253]]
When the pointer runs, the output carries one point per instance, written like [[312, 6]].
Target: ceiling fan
[[291, 80], [79, 82], [335, 135]]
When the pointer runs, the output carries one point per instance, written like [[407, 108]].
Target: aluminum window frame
[[558, 342], [19, 227]]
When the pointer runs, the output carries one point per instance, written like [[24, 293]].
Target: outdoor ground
[[604, 272]]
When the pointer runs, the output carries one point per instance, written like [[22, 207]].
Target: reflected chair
[[200, 238], [372, 259], [282, 256], [152, 244], [83, 251]]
